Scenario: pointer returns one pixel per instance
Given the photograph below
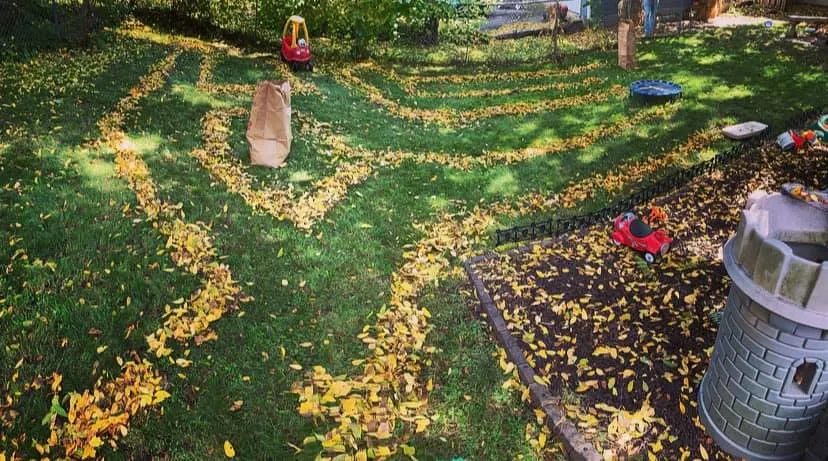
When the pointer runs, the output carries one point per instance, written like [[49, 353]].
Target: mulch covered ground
[[625, 345]]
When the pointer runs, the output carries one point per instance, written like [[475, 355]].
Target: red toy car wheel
[[649, 257]]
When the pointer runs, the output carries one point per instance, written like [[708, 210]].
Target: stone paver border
[[576, 446]]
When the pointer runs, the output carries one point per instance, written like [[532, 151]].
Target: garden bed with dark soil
[[624, 345]]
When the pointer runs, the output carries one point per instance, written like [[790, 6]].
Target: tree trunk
[[432, 32], [86, 12], [555, 15], [56, 20]]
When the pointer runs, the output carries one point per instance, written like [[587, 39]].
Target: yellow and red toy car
[[295, 47]]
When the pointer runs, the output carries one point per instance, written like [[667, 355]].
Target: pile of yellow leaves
[[628, 426], [311, 127], [138, 386], [189, 243], [136, 29], [507, 76], [544, 105], [191, 319], [110, 125], [312, 130], [105, 411], [409, 85], [347, 78], [297, 85], [488, 158], [366, 408]]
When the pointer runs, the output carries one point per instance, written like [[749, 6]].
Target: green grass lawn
[[84, 278]]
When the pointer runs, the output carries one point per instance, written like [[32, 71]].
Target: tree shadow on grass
[[106, 278], [65, 107]]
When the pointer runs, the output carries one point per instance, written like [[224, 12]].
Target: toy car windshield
[[640, 229]]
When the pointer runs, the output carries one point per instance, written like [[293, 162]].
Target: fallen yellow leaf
[[229, 451]]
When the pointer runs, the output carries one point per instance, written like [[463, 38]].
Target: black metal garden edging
[[556, 226]]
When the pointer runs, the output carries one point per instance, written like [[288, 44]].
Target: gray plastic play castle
[[765, 392]]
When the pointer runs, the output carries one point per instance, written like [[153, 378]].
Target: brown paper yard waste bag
[[268, 130]]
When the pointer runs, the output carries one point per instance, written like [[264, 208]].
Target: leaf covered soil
[[624, 345]]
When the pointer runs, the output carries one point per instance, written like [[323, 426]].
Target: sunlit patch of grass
[[192, 95], [301, 176], [713, 59], [439, 203], [145, 143], [97, 171], [526, 128], [504, 184], [723, 93]]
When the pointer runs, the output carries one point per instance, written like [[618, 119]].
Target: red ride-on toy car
[[638, 235], [295, 48]]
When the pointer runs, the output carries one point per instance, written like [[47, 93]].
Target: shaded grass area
[[320, 289], [90, 283]]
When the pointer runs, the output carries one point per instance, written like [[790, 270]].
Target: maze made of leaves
[[389, 394], [305, 210], [625, 345], [453, 118]]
